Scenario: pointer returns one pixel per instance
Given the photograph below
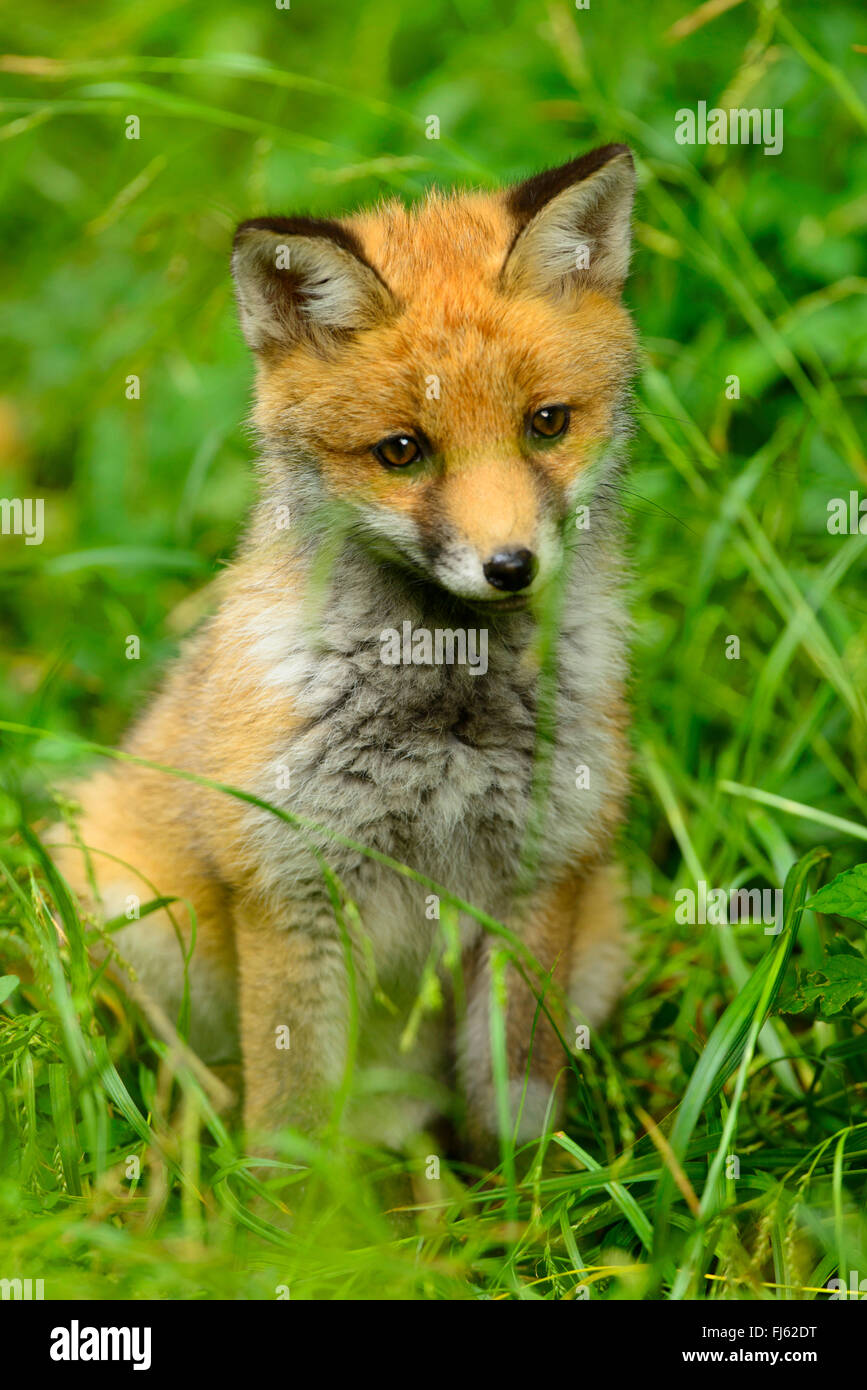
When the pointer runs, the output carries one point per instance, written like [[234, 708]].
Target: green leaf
[[841, 979], [62, 1111], [619, 1194], [8, 985], [845, 895]]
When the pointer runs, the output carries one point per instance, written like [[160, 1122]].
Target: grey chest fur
[[433, 764]]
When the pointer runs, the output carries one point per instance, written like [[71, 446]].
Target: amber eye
[[550, 422], [398, 451]]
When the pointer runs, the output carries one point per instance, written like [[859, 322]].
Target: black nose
[[511, 569]]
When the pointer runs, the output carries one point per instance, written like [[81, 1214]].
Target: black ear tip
[[287, 225], [618, 151], [242, 230], [589, 163], [303, 226], [524, 199]]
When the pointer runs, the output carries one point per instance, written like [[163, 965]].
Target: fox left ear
[[303, 277], [573, 226]]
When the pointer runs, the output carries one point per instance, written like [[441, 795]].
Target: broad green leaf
[[845, 895], [841, 979]]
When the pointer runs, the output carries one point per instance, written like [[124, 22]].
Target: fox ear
[[573, 226], [300, 276]]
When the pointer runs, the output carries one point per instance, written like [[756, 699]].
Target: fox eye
[[398, 451], [550, 422]]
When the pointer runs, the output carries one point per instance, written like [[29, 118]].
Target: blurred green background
[[115, 263]]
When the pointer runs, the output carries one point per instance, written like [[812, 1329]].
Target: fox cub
[[441, 399]]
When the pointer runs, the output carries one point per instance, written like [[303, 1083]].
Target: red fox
[[441, 400]]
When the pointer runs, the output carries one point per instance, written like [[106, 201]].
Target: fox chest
[[436, 768]]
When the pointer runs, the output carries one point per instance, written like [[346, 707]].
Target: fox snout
[[494, 534]]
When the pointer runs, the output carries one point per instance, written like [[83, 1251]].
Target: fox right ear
[[301, 276], [573, 226]]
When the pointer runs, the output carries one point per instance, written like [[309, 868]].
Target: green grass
[[115, 257]]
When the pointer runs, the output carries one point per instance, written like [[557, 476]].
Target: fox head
[[449, 374]]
